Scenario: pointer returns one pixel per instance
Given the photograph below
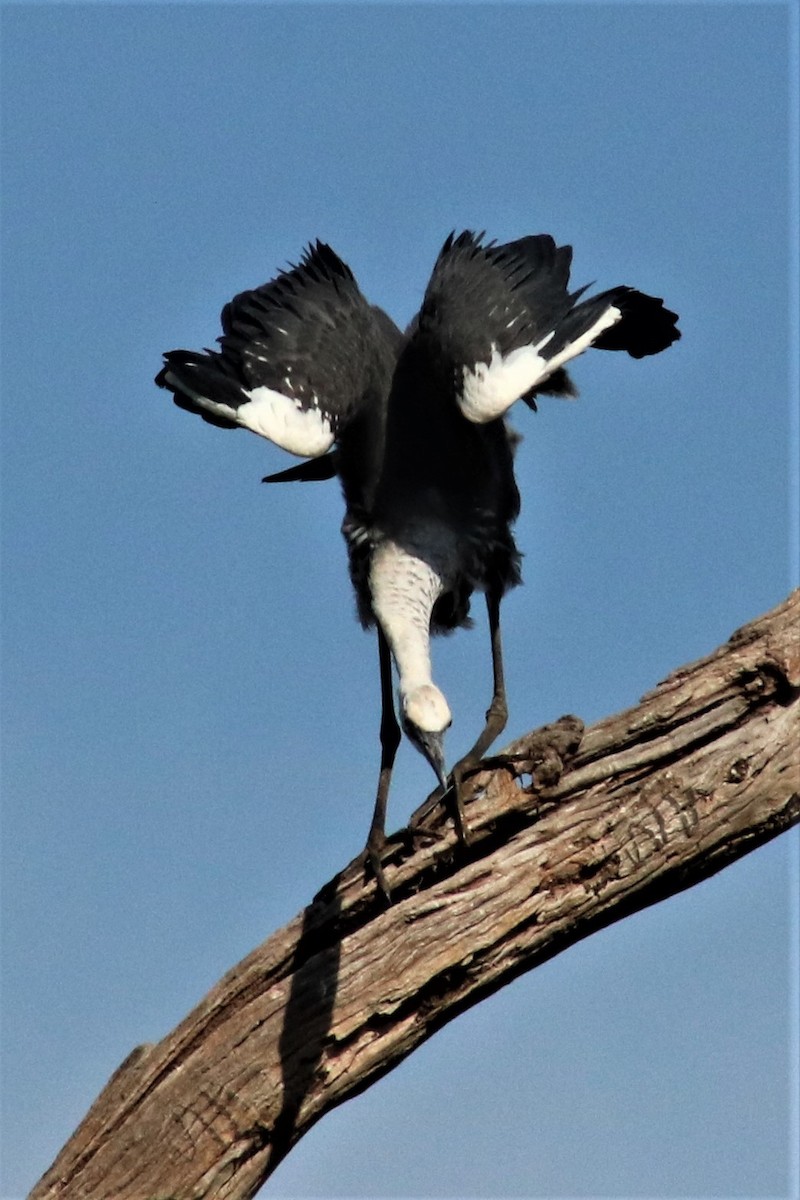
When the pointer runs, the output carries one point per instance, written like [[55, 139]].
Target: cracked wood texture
[[573, 830]]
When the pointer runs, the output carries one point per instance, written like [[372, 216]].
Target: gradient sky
[[190, 710]]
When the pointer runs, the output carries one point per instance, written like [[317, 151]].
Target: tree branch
[[572, 834]]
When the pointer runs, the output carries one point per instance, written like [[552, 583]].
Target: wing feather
[[298, 358], [498, 322]]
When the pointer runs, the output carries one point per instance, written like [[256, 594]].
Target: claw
[[373, 861], [456, 792], [408, 838], [452, 795]]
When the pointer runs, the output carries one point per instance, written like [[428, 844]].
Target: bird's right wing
[[498, 323], [298, 358]]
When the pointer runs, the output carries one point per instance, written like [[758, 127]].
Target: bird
[[414, 425]]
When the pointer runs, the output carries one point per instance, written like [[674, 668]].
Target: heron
[[414, 424]]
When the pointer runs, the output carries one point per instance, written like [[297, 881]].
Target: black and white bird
[[414, 426]]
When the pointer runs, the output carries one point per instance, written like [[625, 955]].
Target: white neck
[[404, 591]]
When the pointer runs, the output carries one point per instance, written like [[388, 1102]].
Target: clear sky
[[190, 710]]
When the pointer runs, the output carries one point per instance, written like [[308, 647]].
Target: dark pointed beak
[[432, 745]]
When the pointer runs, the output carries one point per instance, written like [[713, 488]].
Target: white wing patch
[[489, 389], [304, 432]]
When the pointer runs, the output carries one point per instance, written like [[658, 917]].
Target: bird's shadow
[[315, 963], [308, 1014]]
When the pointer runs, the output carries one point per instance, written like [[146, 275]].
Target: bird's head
[[426, 715]]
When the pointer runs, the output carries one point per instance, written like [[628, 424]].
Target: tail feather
[[646, 326]]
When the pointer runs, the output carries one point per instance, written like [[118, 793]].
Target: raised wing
[[298, 358], [500, 323]]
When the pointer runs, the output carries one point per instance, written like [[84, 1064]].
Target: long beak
[[433, 749]]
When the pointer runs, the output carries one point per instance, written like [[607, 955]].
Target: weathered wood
[[655, 799]]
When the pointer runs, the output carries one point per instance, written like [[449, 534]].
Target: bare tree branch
[[575, 834]]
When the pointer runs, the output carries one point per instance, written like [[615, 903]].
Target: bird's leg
[[390, 740], [496, 717], [497, 712]]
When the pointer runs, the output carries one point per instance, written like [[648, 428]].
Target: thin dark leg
[[390, 740], [496, 717], [497, 712]]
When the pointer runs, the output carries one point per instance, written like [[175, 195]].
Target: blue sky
[[190, 710]]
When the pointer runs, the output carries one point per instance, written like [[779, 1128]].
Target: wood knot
[[738, 771], [544, 753]]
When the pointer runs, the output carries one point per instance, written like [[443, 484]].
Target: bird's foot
[[452, 797], [373, 863], [380, 849], [455, 796], [541, 754]]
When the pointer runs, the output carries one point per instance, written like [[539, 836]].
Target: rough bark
[[580, 830]]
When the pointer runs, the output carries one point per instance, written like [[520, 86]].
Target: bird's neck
[[405, 587]]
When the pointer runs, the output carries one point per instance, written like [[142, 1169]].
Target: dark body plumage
[[459, 474], [414, 426]]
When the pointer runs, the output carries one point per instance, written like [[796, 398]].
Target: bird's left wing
[[498, 323], [298, 358]]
